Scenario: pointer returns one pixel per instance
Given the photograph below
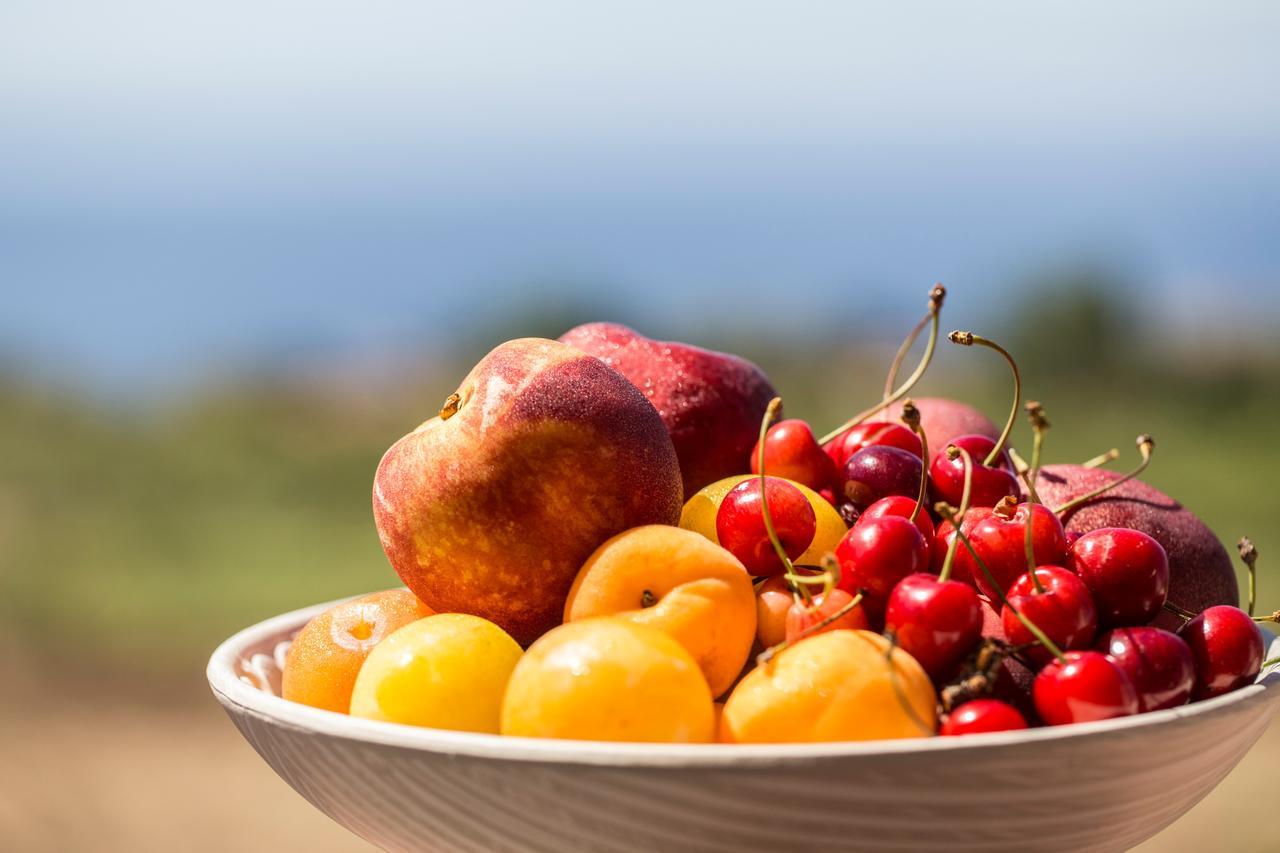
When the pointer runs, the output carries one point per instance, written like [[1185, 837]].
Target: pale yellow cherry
[[608, 679], [447, 671], [699, 515]]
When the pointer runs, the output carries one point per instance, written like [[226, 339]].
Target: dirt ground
[[177, 776]]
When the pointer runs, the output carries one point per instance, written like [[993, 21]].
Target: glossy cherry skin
[[877, 472], [740, 524], [982, 715], [903, 506], [874, 556], [1089, 686], [1000, 541], [1226, 646], [884, 433], [990, 483], [945, 532], [802, 618], [1064, 612], [1126, 571], [938, 622], [1158, 663], [791, 452]]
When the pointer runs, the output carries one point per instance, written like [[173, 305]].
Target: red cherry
[[1126, 571], [740, 524], [884, 433], [791, 452], [1063, 611], [876, 472], [874, 556], [801, 617], [1227, 648], [982, 715], [942, 537], [901, 505], [1088, 686], [936, 621], [999, 538], [1158, 663], [990, 483]]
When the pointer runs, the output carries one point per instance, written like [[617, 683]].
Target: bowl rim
[[240, 697]]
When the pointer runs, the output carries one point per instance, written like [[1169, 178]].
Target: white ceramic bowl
[[1097, 786]]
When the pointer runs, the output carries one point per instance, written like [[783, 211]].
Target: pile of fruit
[[613, 538]]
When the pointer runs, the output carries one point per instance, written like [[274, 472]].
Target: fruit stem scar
[[1146, 444], [968, 339], [452, 404], [648, 599]]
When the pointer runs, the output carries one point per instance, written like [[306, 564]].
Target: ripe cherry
[[999, 538], [791, 452], [982, 715], [936, 621], [1126, 571], [872, 433], [741, 529], [874, 556], [876, 472], [1227, 648], [945, 532], [1081, 688], [805, 619], [990, 482], [1158, 663], [1063, 611], [904, 506]]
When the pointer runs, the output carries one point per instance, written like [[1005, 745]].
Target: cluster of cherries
[[1012, 617]]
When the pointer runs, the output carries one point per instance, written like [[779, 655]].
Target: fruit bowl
[[1094, 786]]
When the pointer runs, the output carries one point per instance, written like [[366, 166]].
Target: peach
[[699, 515], [543, 453], [680, 583], [608, 679], [835, 686], [323, 660]]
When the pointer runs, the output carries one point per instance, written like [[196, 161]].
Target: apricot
[[323, 660], [608, 679], [447, 671], [699, 515], [773, 601], [834, 686], [678, 582]]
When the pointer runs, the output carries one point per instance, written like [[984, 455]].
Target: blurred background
[[245, 246]]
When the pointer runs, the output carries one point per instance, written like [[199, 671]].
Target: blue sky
[[185, 187]]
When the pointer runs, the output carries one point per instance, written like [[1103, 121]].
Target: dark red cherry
[[982, 715], [803, 618], [740, 524], [999, 538], [1126, 571], [1088, 686], [874, 556], [791, 452], [876, 472], [1063, 611], [990, 483], [938, 622], [1158, 663], [872, 433], [901, 505], [1226, 646]]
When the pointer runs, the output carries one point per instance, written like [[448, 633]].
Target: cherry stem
[[1267, 664], [789, 570], [1274, 617], [897, 687], [1178, 611], [1249, 554], [1146, 444], [768, 654], [907, 343], [935, 308], [1039, 426], [911, 417], [968, 339], [1101, 459], [947, 513], [952, 453]]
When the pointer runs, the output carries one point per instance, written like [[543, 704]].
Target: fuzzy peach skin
[[542, 454], [679, 582]]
